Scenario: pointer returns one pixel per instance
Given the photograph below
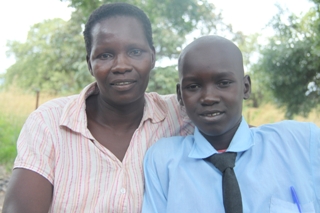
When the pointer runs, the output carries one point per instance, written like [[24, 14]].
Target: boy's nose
[[210, 96], [121, 64]]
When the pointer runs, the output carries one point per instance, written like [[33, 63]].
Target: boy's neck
[[222, 142]]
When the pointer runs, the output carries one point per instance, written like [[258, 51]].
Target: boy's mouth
[[210, 114]]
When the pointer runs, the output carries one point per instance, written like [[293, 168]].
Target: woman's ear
[[179, 95], [89, 65], [247, 87]]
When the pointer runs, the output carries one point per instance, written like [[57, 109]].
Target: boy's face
[[212, 87], [121, 59]]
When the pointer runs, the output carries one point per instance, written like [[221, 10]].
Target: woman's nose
[[121, 64]]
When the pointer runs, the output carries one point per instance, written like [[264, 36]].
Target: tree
[[248, 44], [163, 80], [289, 67], [51, 59], [171, 20]]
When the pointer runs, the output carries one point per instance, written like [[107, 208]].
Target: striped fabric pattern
[[87, 177]]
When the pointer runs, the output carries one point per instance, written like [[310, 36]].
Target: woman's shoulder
[[164, 98], [167, 103], [57, 103]]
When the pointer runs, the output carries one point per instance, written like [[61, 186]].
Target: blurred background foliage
[[285, 71], [289, 66]]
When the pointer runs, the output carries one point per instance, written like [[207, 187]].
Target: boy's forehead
[[215, 47], [211, 51]]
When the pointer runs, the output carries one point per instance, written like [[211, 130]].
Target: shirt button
[[123, 190]]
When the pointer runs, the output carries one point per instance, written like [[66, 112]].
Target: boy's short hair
[[116, 9]]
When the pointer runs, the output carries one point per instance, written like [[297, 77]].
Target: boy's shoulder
[[289, 125], [170, 146], [288, 129], [173, 142]]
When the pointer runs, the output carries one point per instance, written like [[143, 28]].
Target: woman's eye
[[135, 52], [105, 56]]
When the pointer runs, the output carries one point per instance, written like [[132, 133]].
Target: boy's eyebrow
[[227, 73], [185, 78]]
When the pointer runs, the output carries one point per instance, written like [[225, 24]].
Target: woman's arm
[[27, 192]]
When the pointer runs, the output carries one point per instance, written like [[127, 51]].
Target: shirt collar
[[241, 141], [74, 113]]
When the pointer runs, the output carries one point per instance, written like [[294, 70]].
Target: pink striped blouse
[[56, 143]]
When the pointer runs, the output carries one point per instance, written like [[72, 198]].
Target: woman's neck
[[115, 116]]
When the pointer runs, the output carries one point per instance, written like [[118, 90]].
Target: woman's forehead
[[119, 29], [115, 22]]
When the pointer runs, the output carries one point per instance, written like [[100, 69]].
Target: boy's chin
[[219, 131]]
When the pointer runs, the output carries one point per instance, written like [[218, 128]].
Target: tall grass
[[15, 106], [268, 113]]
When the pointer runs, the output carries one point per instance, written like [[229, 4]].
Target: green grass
[[9, 133], [15, 107]]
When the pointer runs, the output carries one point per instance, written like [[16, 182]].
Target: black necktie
[[231, 191]]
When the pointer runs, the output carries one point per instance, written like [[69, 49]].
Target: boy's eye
[[135, 52], [224, 83], [105, 56], [193, 87]]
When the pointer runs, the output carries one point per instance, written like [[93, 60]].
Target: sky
[[251, 16], [17, 16]]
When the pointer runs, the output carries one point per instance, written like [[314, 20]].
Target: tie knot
[[224, 160]]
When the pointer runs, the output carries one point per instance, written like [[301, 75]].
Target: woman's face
[[121, 59]]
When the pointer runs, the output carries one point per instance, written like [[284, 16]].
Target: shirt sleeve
[[35, 147], [315, 158], [154, 198]]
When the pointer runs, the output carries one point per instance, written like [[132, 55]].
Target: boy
[[276, 166]]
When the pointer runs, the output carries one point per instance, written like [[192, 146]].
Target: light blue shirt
[[271, 158]]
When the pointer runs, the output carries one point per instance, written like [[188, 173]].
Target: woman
[[84, 153]]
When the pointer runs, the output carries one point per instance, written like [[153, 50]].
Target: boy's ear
[[89, 65], [153, 55], [247, 87], [179, 95]]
